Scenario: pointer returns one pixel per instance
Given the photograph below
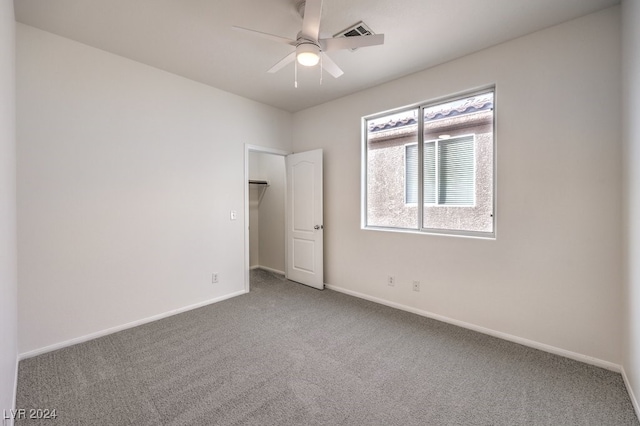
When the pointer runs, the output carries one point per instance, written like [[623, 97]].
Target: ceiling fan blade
[[268, 36], [339, 43], [311, 20], [330, 66], [283, 62]]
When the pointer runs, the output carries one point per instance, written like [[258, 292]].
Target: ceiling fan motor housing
[[307, 53]]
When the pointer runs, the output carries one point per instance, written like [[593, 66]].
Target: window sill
[[460, 234]]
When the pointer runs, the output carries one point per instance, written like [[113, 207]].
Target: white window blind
[[429, 173], [456, 185], [448, 172], [411, 174]]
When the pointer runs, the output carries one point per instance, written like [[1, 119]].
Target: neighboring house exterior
[[458, 170]]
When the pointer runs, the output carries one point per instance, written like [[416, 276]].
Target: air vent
[[359, 29]]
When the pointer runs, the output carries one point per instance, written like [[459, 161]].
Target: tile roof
[[449, 110]]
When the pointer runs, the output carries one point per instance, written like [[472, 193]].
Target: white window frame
[[421, 229]]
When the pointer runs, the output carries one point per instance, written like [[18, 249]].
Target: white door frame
[[263, 150]]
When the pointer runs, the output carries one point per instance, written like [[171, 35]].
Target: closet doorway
[[284, 214], [266, 189]]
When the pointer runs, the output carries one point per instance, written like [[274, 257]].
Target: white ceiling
[[194, 39]]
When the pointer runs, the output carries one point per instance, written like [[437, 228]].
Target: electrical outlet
[[416, 286], [214, 278], [391, 280]]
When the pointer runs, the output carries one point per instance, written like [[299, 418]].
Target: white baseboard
[[632, 395], [275, 271], [132, 324], [525, 342]]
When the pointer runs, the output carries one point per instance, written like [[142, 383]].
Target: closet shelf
[[262, 187]]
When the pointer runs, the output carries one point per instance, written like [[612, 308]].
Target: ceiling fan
[[309, 47]]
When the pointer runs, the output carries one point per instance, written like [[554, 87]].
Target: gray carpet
[[286, 354]]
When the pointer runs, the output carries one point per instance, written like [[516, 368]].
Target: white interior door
[[305, 230]]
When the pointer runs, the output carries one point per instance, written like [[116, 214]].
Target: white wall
[[272, 210], [553, 275], [8, 265], [267, 246], [254, 212], [631, 137], [126, 177]]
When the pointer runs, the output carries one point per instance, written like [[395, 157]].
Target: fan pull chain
[[321, 68], [295, 73]]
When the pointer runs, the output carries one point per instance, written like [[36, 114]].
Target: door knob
[[318, 227]]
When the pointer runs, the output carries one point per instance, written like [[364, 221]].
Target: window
[[454, 168]]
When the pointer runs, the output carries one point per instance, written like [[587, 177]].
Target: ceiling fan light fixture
[[308, 54]]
